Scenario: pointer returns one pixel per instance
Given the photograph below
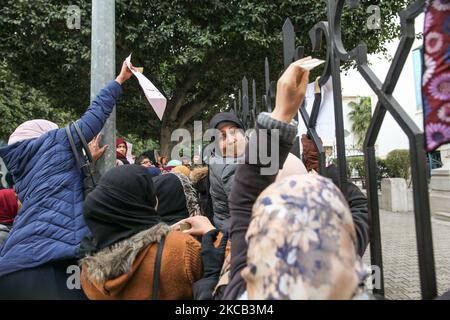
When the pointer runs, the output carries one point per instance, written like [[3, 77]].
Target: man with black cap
[[230, 145]]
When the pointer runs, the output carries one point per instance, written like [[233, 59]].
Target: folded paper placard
[[153, 95], [311, 64]]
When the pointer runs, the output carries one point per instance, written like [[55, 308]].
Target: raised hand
[[96, 150], [291, 90], [125, 73]]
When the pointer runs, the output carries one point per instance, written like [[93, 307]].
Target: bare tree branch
[[193, 108], [190, 110]]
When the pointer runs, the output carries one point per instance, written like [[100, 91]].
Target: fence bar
[[245, 108], [336, 54]]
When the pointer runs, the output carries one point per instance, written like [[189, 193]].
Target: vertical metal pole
[[103, 69], [424, 233], [376, 252], [339, 120], [255, 109], [245, 102], [266, 75], [267, 96], [288, 34], [334, 21], [239, 113], [272, 94], [289, 53]]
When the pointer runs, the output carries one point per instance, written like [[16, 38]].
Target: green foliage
[[20, 102], [356, 168], [398, 163], [197, 51], [360, 116], [140, 145]]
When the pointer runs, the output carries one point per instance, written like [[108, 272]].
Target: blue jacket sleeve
[[93, 120]]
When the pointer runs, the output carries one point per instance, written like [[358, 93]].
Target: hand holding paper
[[125, 73], [291, 89], [153, 95]]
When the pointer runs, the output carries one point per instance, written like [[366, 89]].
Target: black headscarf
[[172, 204], [152, 156], [122, 204]]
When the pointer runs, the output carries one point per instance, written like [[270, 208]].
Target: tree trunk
[[165, 143]]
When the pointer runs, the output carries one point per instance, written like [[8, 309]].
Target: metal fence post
[[103, 69]]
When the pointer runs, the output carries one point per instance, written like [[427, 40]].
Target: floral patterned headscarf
[[301, 243], [436, 76]]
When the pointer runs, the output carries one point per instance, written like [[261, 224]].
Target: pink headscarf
[[31, 129]]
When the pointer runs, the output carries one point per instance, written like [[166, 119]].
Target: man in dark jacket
[[230, 144], [291, 90]]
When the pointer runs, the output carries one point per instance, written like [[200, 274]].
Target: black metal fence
[[336, 54]]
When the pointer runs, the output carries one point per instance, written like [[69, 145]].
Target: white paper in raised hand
[[311, 64], [153, 95]]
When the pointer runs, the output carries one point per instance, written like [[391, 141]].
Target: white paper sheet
[[311, 64], [129, 155], [325, 126], [153, 95]]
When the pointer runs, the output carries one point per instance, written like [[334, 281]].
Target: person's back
[[126, 271], [125, 239], [48, 182], [50, 188]]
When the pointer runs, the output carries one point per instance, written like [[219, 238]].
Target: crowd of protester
[[179, 228]]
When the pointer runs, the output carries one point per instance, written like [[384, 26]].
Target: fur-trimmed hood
[[118, 259], [199, 174], [190, 193], [125, 271]]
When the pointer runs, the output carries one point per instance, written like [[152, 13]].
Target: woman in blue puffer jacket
[[47, 232]]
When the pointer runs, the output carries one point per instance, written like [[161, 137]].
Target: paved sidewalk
[[401, 270]]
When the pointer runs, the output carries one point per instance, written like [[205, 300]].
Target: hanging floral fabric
[[436, 76]]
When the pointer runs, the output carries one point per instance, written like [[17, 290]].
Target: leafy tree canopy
[[19, 103], [196, 51]]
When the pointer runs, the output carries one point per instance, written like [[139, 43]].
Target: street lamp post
[[103, 69]]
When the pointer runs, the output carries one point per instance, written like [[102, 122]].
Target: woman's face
[[146, 163], [122, 149]]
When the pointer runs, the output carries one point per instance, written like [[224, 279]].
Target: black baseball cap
[[225, 117]]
